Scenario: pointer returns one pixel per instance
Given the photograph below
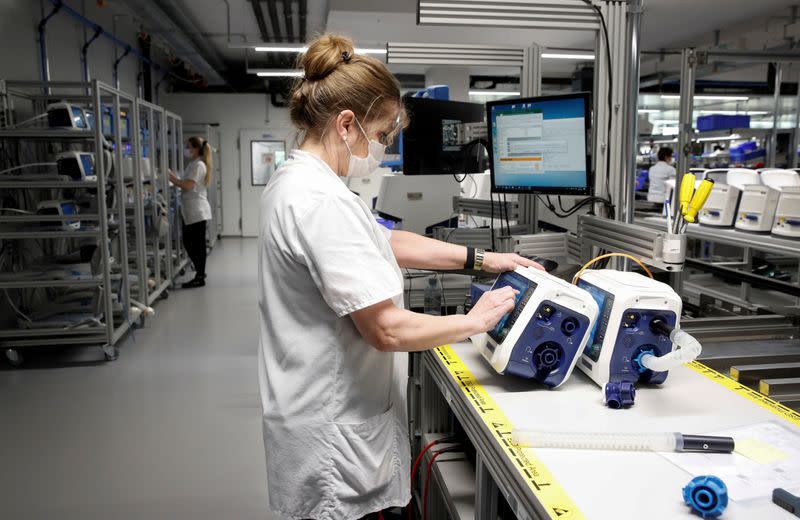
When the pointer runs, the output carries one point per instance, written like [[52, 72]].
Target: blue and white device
[[79, 166], [543, 337], [636, 328], [62, 208]]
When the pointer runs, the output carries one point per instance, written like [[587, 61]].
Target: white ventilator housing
[[723, 201], [545, 334], [629, 344], [759, 203], [787, 215]]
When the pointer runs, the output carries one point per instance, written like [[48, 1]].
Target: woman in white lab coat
[[334, 332]]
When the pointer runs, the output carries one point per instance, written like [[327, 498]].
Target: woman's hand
[[173, 178], [502, 262], [491, 307]]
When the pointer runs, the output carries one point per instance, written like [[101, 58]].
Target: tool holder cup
[[674, 248]]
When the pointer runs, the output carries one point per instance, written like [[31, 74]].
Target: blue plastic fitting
[[707, 495], [637, 361], [620, 394]]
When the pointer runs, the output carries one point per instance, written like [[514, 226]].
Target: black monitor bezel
[[587, 99]]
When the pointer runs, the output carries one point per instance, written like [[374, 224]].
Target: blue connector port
[[707, 495], [569, 326]]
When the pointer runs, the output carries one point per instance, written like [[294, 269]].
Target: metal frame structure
[[614, 122], [112, 287], [156, 249], [129, 249], [173, 124], [694, 59]]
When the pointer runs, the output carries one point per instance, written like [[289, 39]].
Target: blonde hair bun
[[325, 54]]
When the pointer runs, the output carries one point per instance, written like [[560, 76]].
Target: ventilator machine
[[636, 334], [787, 216], [543, 337], [759, 204]]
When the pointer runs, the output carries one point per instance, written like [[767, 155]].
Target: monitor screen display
[[430, 142], [605, 302], [87, 161], [78, 120], [525, 288], [540, 145]]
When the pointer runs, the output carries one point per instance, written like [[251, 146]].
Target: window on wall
[[265, 158]]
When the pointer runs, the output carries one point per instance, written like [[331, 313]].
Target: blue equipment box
[[722, 122]]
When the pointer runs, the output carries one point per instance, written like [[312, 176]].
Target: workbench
[[600, 484]]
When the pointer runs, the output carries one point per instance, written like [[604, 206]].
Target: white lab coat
[[334, 408], [659, 173], [194, 202]]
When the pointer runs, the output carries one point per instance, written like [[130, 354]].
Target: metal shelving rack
[[157, 249], [110, 225], [174, 153]]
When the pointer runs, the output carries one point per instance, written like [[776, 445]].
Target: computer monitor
[[429, 142], [540, 144]]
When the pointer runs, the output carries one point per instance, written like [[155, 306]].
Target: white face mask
[[363, 166], [187, 153]]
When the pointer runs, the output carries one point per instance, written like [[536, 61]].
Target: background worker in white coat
[[334, 331], [659, 173], [195, 209]]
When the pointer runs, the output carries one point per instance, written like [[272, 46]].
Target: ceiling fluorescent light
[[493, 93], [277, 73], [296, 49], [560, 56], [281, 48], [708, 98], [722, 138], [648, 110], [735, 112]]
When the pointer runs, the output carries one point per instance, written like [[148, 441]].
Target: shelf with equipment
[[173, 126], [155, 202], [64, 252]]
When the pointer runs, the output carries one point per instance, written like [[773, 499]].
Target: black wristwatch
[[474, 259]]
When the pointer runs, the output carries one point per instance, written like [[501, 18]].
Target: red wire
[[427, 483], [380, 515], [414, 474]]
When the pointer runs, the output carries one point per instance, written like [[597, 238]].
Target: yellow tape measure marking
[[558, 504], [748, 393]]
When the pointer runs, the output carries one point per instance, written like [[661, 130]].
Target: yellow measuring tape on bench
[[539, 479], [748, 393]]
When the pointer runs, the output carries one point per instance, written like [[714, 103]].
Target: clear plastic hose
[[688, 350], [598, 441]]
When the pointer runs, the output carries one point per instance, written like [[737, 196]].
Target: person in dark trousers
[[195, 209]]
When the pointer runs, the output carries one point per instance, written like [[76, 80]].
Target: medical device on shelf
[[543, 337], [760, 203], [787, 216], [67, 115], [78, 166], [62, 208], [635, 335], [720, 208]]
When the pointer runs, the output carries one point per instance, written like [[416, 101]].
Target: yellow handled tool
[[687, 190], [699, 200]]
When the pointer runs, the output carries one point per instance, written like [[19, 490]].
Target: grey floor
[[170, 430]]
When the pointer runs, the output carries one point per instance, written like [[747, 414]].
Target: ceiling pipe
[[259, 15], [272, 6], [288, 18], [302, 15]]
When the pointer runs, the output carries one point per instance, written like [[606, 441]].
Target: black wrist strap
[[470, 263]]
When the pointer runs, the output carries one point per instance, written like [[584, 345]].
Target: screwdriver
[[684, 197], [698, 200]]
